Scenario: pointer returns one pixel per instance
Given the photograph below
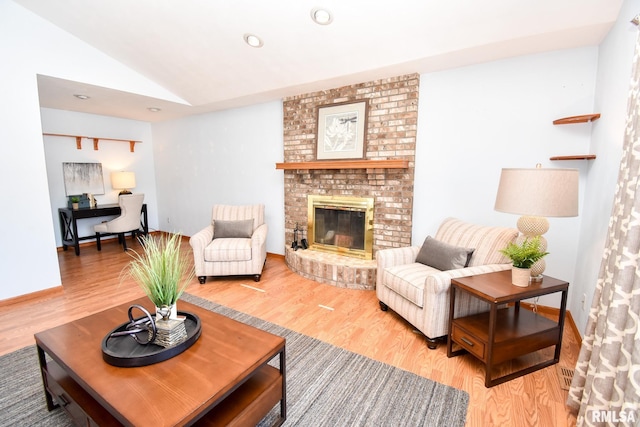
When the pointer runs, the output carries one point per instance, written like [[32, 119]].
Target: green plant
[[75, 199], [525, 254], [161, 270]]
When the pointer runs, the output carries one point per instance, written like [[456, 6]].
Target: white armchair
[[421, 293], [127, 222], [235, 243]]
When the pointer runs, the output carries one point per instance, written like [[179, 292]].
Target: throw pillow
[[443, 256], [230, 229]]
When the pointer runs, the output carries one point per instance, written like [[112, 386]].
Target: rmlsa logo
[[613, 416]]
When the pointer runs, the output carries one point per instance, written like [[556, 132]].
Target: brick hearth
[[391, 134], [332, 269]]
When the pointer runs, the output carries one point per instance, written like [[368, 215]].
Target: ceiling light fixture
[[253, 40], [321, 16], [83, 97], [154, 109]]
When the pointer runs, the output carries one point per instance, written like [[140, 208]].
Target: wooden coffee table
[[223, 378]]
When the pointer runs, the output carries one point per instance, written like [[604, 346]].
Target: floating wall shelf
[[585, 118], [574, 157], [577, 119], [96, 140], [345, 164]]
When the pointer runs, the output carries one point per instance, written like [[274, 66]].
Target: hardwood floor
[[346, 318]]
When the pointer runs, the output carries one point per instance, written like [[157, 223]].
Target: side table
[[505, 332]]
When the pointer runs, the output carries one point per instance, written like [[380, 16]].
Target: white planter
[[520, 276], [161, 311]]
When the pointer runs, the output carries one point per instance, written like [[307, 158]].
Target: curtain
[[606, 383]]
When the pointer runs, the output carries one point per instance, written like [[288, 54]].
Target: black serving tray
[[124, 351]]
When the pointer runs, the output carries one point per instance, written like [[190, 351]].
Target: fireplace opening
[[341, 225]]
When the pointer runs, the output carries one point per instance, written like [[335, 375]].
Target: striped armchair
[[235, 243], [420, 293]]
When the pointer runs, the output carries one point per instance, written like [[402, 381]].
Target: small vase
[[167, 312], [75, 205], [520, 276]]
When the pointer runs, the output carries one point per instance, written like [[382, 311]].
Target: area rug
[[326, 386]]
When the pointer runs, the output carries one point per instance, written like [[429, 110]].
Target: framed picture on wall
[[80, 178], [341, 130]]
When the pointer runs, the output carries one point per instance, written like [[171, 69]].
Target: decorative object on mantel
[[341, 130], [163, 272], [536, 194], [523, 255], [96, 140]]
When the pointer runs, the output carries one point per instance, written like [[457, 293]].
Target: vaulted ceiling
[[195, 48]]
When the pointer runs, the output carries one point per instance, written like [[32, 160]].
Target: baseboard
[[553, 311], [38, 295]]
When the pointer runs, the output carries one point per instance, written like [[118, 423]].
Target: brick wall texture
[[390, 134]]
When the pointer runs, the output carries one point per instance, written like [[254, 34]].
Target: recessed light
[[253, 40], [321, 16], [80, 96], [154, 109]]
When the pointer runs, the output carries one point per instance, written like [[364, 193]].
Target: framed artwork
[[341, 129], [80, 178]]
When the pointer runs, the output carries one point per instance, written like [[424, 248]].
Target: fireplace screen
[[341, 224]]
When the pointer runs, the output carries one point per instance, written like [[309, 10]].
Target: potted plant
[[74, 202], [523, 255], [162, 271]]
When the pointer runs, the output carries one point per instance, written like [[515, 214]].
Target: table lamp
[[123, 181], [536, 194]]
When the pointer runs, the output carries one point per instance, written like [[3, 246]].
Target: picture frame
[[81, 178], [341, 130]]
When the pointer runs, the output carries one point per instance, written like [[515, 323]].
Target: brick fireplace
[[390, 135]]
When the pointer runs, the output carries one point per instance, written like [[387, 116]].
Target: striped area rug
[[326, 386]]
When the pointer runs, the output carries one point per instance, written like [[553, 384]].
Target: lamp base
[[536, 279], [124, 192]]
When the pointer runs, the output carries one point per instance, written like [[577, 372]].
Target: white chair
[[234, 243], [127, 222]]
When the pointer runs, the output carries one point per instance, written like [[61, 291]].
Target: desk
[[69, 222], [504, 332]]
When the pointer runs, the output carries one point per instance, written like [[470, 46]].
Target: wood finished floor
[[91, 283]]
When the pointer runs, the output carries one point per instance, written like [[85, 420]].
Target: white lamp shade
[[123, 180], [538, 192]]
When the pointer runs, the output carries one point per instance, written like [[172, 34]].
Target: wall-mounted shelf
[[96, 140], [345, 164], [585, 118], [574, 157], [577, 119]]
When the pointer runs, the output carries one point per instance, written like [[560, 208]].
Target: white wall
[[476, 120], [30, 46], [612, 87], [226, 157], [114, 156]]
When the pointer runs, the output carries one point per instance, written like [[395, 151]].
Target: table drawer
[[468, 342], [76, 402], [64, 400]]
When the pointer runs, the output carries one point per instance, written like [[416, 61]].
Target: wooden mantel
[[345, 164]]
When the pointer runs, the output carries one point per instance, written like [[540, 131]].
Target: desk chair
[[127, 222]]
